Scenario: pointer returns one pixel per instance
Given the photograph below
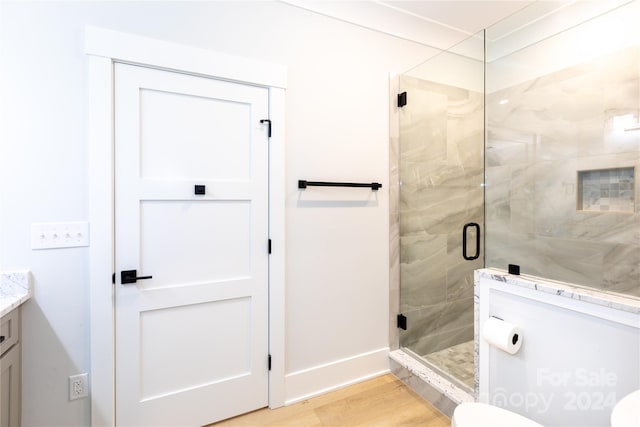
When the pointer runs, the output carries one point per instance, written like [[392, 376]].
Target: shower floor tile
[[456, 360]]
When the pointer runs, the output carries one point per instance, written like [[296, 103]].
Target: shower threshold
[[431, 383]]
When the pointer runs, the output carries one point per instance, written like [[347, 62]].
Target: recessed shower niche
[[606, 190]]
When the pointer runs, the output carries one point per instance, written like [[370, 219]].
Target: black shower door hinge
[[402, 321], [113, 278], [269, 362], [268, 122], [269, 247], [402, 99]]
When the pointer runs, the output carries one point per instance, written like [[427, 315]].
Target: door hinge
[[269, 247], [268, 122], [402, 321], [402, 99], [113, 278], [269, 363]]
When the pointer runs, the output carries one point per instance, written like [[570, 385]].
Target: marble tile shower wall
[[441, 170], [541, 134]]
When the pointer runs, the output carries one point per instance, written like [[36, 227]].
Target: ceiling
[[439, 24], [445, 23], [464, 16]]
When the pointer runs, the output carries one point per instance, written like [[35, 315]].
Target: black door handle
[[131, 276], [464, 241]]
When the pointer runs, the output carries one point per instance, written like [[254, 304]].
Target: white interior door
[[191, 340]]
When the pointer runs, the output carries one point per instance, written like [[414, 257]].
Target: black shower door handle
[[464, 241]]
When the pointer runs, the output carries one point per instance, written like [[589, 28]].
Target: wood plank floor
[[383, 401]]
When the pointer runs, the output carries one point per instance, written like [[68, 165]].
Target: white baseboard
[[317, 380]]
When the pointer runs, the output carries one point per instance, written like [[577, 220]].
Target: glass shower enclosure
[[563, 147], [520, 145]]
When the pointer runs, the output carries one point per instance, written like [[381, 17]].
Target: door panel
[[207, 241], [163, 329], [175, 127], [191, 340]]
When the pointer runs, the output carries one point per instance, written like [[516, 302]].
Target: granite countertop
[[15, 289], [562, 289]]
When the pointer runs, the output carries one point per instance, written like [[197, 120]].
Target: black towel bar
[[304, 184]]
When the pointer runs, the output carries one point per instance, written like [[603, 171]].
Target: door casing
[[103, 48]]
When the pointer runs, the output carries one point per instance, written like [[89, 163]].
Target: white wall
[[337, 128], [530, 53], [452, 70]]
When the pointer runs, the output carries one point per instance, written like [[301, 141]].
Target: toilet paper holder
[[503, 335]]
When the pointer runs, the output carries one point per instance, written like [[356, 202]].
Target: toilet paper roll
[[503, 335]]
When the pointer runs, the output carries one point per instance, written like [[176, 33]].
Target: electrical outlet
[[78, 386]]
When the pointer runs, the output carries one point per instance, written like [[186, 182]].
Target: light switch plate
[[50, 235]]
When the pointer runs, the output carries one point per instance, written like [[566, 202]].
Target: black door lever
[[131, 276]]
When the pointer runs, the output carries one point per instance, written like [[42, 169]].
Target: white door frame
[[104, 47]]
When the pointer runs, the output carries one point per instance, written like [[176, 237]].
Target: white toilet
[[483, 415], [626, 413]]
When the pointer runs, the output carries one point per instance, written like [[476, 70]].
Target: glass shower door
[[441, 206]]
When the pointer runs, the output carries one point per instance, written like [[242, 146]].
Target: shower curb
[[428, 384]]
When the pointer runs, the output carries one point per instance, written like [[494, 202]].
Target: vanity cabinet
[[10, 369]]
